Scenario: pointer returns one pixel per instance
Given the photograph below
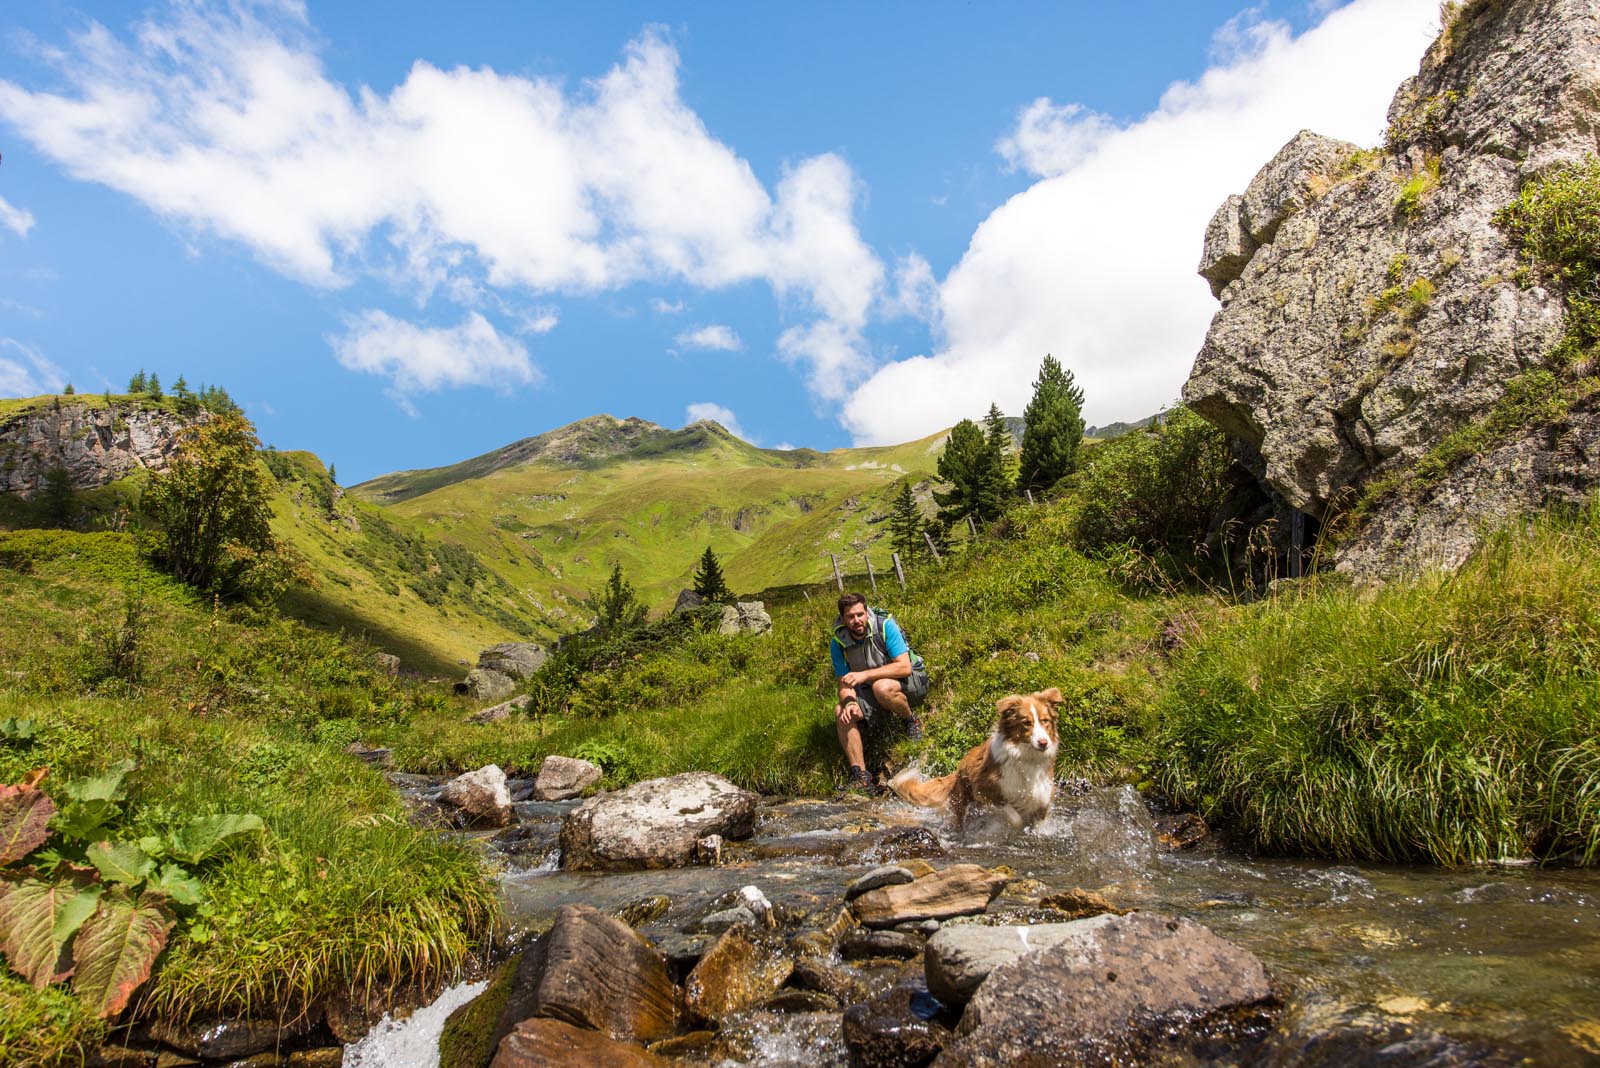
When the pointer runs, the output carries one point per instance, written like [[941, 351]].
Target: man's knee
[[887, 690]]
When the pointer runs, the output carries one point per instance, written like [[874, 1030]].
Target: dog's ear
[[1051, 695], [1006, 704]]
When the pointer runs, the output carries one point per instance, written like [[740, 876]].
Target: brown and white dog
[[1013, 773]]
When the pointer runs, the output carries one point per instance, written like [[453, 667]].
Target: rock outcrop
[[1371, 304], [95, 445]]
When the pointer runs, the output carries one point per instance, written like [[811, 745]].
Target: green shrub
[[1156, 489], [1555, 222]]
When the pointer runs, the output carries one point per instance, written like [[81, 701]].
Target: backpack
[[879, 618]]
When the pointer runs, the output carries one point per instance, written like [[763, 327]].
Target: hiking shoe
[[860, 782], [914, 727]]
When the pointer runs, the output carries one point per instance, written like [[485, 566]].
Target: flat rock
[[884, 875], [481, 795], [541, 1043], [1080, 904], [221, 1038], [959, 959], [1105, 994], [734, 974], [561, 778], [501, 711], [591, 970], [959, 890], [655, 824]]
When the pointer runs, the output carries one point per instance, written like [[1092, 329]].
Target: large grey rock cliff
[[1371, 306], [96, 445]]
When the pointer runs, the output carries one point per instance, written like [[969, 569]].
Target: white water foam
[[414, 1041]]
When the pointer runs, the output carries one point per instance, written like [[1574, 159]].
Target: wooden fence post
[[934, 549], [1029, 492], [870, 576], [837, 578], [971, 526], [899, 572]]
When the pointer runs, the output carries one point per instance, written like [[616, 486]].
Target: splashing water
[[414, 1041]]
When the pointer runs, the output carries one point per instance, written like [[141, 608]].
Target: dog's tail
[[930, 793]]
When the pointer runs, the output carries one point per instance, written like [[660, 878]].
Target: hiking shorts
[[914, 686]]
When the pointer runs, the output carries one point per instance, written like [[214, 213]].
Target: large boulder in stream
[[482, 796], [592, 971], [735, 973], [1108, 994], [655, 824]]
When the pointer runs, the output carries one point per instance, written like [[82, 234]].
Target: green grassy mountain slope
[[551, 514]]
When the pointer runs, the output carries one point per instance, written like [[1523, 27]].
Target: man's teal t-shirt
[[894, 643]]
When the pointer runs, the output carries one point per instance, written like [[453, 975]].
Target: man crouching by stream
[[878, 676]]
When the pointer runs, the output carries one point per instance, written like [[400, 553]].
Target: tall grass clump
[[1450, 719], [229, 709]]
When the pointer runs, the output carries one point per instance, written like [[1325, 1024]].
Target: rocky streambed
[[773, 931]]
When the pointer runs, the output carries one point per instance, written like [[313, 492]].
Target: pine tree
[[137, 383], [1052, 428], [966, 464], [708, 580], [997, 440], [68, 390], [333, 475], [153, 386], [56, 500], [617, 606], [906, 524]]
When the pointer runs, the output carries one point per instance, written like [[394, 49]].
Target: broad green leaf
[[120, 862], [17, 730], [36, 921], [203, 836], [116, 949], [107, 787], [81, 819], [154, 846], [179, 885], [25, 813]]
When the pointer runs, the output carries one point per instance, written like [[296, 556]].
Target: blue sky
[[402, 240]]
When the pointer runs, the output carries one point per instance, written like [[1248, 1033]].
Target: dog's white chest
[[1026, 779]]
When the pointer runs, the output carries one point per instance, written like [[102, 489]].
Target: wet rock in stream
[[900, 1028], [481, 797], [736, 973], [1106, 995], [958, 890], [654, 824], [545, 1043], [561, 778]]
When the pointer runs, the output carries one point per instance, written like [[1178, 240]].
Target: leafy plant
[[90, 907]]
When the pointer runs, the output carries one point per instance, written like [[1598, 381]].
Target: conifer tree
[[906, 524], [56, 499], [708, 580], [966, 464], [1052, 428], [153, 386], [68, 390], [617, 606], [137, 383], [997, 439]]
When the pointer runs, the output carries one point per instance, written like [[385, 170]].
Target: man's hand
[[848, 712], [853, 679]]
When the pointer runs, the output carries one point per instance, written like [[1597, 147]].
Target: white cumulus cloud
[[1095, 262], [226, 123], [418, 359], [26, 373], [666, 307], [18, 220], [718, 414], [715, 338]]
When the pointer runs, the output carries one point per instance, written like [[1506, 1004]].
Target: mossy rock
[[470, 1033]]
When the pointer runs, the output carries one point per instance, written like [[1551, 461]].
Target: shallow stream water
[[1491, 965]]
